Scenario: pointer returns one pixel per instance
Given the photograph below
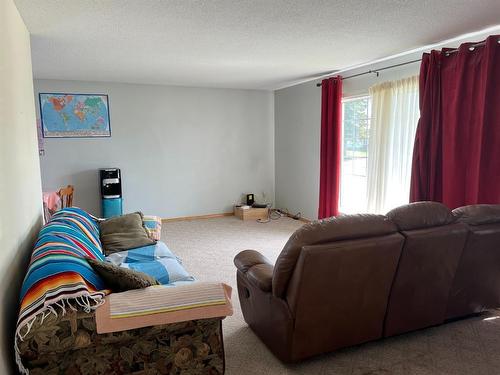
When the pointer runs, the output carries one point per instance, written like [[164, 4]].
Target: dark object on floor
[[351, 279], [285, 212]]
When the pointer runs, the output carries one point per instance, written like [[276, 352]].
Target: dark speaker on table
[[250, 199]]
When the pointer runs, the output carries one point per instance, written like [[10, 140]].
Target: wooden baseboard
[[198, 217], [212, 216]]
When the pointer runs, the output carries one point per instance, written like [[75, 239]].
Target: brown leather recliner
[[328, 289], [352, 279]]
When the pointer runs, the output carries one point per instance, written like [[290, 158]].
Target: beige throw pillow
[[120, 279], [123, 233]]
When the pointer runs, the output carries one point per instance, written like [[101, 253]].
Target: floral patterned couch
[[59, 335], [69, 344]]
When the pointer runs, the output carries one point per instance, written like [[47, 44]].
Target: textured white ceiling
[[260, 44]]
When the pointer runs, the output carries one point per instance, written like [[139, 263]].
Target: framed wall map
[[74, 115]]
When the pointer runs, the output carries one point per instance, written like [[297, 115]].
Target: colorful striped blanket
[[58, 275]]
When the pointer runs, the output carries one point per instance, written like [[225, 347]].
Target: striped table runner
[[163, 305]]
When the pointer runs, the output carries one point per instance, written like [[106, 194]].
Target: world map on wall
[[74, 115]]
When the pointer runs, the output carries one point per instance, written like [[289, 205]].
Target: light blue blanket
[[155, 260]]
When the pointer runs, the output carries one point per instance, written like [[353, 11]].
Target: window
[[356, 124], [378, 137]]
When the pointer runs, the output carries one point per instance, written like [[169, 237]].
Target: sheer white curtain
[[393, 124]]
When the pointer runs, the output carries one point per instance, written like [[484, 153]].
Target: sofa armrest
[[257, 268], [261, 275], [246, 259]]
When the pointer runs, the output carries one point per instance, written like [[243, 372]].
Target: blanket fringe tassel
[[86, 302]]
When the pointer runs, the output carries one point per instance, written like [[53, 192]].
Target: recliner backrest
[[434, 242], [321, 232], [476, 286], [338, 290]]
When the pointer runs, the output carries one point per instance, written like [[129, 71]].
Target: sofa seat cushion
[[154, 260], [123, 233], [120, 279]]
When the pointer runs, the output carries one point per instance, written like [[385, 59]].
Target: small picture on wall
[[74, 115]]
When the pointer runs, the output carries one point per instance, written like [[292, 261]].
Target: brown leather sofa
[[476, 287], [356, 278], [432, 249]]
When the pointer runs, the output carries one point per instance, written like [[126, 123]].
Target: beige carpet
[[207, 247]]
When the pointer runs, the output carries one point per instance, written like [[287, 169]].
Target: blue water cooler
[[111, 192]]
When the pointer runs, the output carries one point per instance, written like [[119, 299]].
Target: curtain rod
[[376, 71], [471, 47]]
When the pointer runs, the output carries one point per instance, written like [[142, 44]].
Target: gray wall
[[297, 114], [297, 140], [20, 189], [182, 151]]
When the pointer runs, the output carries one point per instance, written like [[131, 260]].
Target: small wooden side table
[[251, 213]]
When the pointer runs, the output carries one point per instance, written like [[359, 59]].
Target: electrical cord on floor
[[269, 216], [278, 213], [285, 212]]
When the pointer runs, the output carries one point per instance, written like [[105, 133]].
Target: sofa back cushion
[[338, 292], [478, 214], [431, 253], [421, 215], [321, 232], [476, 286]]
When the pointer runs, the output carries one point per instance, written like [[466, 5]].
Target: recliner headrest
[[345, 227], [478, 214], [421, 215]]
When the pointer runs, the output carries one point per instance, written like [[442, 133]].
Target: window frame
[[347, 99]]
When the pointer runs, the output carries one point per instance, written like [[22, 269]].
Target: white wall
[[182, 151], [20, 190], [297, 114]]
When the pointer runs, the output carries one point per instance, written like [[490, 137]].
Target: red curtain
[[456, 157], [331, 145]]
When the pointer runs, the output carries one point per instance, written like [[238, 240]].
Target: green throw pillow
[[120, 279], [123, 233]]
